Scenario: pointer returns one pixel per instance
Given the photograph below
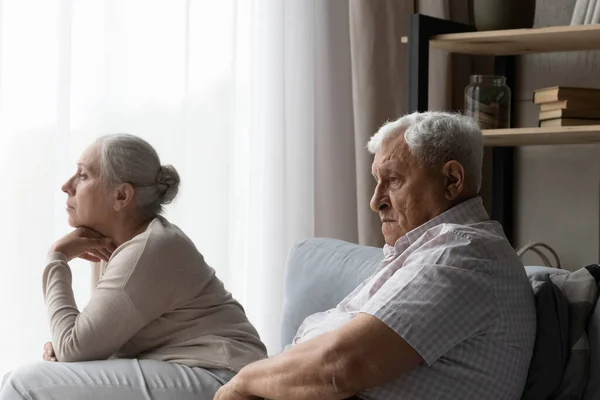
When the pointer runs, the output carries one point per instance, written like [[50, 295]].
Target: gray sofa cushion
[[592, 391], [551, 350], [579, 287], [319, 273]]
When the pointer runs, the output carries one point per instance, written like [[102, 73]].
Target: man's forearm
[[362, 354], [307, 371]]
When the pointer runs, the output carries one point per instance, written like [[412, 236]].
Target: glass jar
[[487, 101]]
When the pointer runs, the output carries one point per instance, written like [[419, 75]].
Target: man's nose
[[379, 201]]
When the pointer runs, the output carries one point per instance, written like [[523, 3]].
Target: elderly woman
[[159, 318]]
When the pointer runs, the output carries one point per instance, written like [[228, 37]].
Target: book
[[570, 113], [560, 93], [569, 122], [569, 104]]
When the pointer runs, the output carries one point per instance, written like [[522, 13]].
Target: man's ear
[[454, 177], [123, 196]]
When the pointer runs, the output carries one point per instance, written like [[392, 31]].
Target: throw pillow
[[592, 390], [580, 289], [551, 350]]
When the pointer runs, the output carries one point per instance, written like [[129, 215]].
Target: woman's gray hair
[[130, 159], [436, 137]]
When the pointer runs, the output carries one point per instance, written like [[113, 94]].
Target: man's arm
[[359, 355]]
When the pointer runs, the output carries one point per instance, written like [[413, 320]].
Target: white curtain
[[223, 89]]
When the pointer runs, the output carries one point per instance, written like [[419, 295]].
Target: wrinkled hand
[[230, 392], [84, 243], [49, 352]]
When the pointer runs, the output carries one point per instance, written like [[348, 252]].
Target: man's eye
[[394, 179]]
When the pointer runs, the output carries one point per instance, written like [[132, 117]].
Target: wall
[[558, 194]]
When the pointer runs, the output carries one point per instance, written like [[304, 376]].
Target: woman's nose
[[67, 187]]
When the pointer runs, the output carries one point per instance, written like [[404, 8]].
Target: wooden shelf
[[542, 136], [520, 41]]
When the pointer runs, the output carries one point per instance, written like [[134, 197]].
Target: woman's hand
[[84, 243], [49, 352]]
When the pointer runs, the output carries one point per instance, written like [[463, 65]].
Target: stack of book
[[568, 106]]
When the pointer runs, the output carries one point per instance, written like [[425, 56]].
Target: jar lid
[[490, 79]]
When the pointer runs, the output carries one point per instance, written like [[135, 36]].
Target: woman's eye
[[82, 176]]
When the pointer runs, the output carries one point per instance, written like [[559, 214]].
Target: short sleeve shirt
[[454, 290]]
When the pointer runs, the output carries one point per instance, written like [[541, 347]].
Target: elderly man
[[449, 313]]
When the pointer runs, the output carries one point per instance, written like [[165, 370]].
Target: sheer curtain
[[223, 89]]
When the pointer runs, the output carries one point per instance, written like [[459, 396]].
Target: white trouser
[[112, 379]]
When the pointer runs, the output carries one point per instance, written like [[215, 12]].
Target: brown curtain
[[378, 84]]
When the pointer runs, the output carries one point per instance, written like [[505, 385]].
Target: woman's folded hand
[[84, 243]]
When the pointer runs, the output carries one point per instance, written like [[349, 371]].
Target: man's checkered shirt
[[454, 290]]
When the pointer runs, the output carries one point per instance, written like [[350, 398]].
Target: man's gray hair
[[130, 159], [436, 137]]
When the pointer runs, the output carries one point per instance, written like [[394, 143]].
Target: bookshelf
[[523, 41], [426, 32]]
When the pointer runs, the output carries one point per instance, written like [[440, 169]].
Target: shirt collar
[[468, 212]]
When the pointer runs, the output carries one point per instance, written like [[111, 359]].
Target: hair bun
[[167, 180]]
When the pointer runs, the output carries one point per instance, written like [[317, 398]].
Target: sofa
[[320, 272]]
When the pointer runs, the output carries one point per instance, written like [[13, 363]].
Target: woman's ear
[[454, 175], [123, 196]]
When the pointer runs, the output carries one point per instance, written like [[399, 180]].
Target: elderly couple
[[448, 314]]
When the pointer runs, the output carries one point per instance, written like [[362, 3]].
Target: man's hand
[[49, 352], [85, 243], [230, 391]]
